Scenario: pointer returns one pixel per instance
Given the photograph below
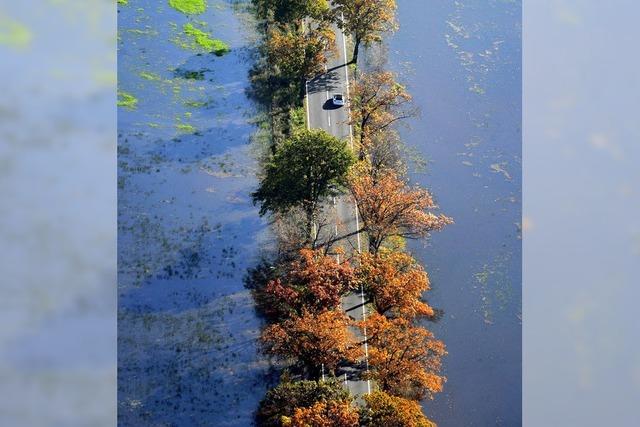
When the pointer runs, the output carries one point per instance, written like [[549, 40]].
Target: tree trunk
[[310, 222], [356, 48]]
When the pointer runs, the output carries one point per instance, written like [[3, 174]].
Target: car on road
[[338, 100]]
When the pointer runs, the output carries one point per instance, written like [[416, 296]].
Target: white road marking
[[306, 94], [346, 73], [329, 116]]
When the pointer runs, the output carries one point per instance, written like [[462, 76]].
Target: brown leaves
[[388, 207], [377, 102], [300, 55], [313, 339], [405, 360], [325, 414], [395, 282], [314, 282]]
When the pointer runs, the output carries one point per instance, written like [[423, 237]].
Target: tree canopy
[[377, 102], [283, 400], [313, 339], [389, 207], [291, 11], [385, 410], [395, 283], [314, 282], [405, 360], [325, 414], [310, 165], [300, 55]]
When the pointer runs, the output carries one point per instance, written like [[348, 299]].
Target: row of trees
[[299, 40], [300, 288]]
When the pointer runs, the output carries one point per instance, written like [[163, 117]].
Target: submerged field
[[187, 230]]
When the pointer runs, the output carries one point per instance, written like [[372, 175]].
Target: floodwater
[[462, 63], [187, 231]]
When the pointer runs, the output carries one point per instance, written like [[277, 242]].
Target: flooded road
[[462, 63], [187, 230]]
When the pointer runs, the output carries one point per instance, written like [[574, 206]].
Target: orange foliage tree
[[377, 101], [300, 55], [313, 339], [405, 360], [325, 414], [389, 207], [384, 410], [365, 20], [395, 282], [313, 282]]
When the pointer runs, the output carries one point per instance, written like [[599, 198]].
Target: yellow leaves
[[325, 414], [387, 410], [405, 360]]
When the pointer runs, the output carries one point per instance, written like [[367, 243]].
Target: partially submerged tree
[[283, 400], [395, 283], [389, 207], [306, 167], [365, 20], [313, 340], [325, 414], [377, 102], [405, 360], [314, 283], [384, 410]]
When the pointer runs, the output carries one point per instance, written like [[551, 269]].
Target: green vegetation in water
[[14, 34], [123, 2], [149, 76], [203, 40], [189, 7], [185, 128], [127, 100]]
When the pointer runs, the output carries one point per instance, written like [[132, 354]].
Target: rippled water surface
[[462, 62]]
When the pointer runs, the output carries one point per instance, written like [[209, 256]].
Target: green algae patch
[[127, 100], [189, 7], [185, 128], [149, 76], [123, 2], [196, 39], [203, 39], [14, 34]]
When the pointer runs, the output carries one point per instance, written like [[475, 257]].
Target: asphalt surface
[[322, 114]]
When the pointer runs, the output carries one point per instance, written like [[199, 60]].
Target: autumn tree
[[405, 360], [377, 102], [314, 282], [306, 167], [389, 207], [365, 20], [385, 410], [313, 340], [283, 400], [325, 414], [298, 55], [395, 283]]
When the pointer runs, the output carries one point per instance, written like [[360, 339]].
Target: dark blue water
[[187, 230], [462, 63]]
